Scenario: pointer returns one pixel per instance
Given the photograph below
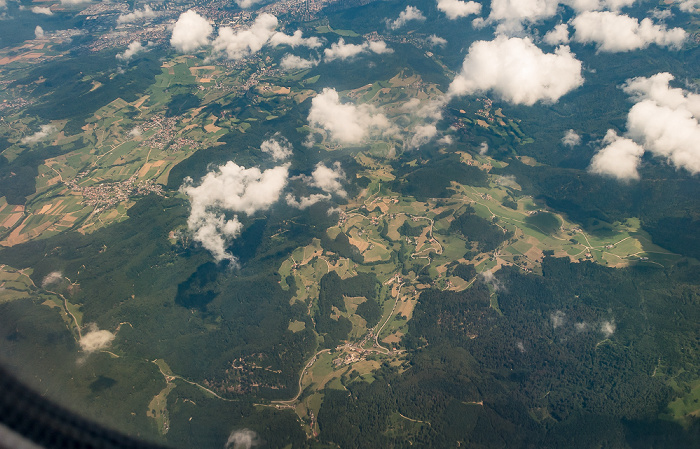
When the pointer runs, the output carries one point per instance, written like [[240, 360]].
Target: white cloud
[[667, 132], [244, 438], [230, 189], [595, 5], [306, 201], [42, 10], [446, 140], [431, 109], [489, 278], [512, 14], [3, 4], [278, 148], [407, 15], [245, 4], [133, 48], [328, 179], [437, 41], [483, 148], [238, 44], [688, 5], [294, 40], [581, 327], [558, 318], [571, 138], [190, 32], [43, 132], [454, 9], [508, 181], [619, 158], [341, 50], [293, 62], [95, 339], [379, 47], [346, 122], [422, 134], [613, 32], [657, 89], [74, 2], [664, 121], [38, 32], [145, 13], [52, 278], [608, 328], [661, 14], [558, 35], [518, 71]]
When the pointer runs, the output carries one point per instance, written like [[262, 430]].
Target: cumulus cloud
[[483, 148], [136, 15], [346, 122], [43, 133], [446, 140], [245, 4], [244, 438], [95, 339], [489, 278], [558, 318], [661, 14], [612, 32], [328, 179], [664, 121], [558, 35], [293, 62], [306, 201], [133, 48], [688, 5], [581, 327], [342, 51], [619, 158], [226, 191], [38, 32], [595, 5], [656, 88], [571, 138], [608, 328], [74, 2], [294, 40], [238, 44], [512, 14], [518, 71], [454, 9], [507, 181], [277, 147], [436, 41], [422, 134], [407, 15], [52, 278], [42, 10], [379, 47], [431, 109], [191, 31]]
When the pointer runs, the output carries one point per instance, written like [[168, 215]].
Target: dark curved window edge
[[38, 422]]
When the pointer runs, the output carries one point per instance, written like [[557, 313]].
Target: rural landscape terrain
[[307, 232]]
